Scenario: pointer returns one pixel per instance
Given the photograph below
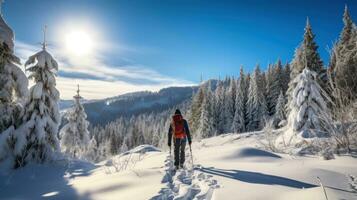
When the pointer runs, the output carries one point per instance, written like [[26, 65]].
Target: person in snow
[[179, 133]]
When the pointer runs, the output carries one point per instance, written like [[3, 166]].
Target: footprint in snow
[[185, 184]]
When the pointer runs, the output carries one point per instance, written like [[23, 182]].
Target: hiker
[[180, 132]]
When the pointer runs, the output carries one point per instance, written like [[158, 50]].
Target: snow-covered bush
[[352, 180], [75, 135], [270, 136], [327, 151]]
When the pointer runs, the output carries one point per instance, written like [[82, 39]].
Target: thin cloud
[[97, 79]]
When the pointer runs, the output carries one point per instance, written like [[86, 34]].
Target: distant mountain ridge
[[101, 112]]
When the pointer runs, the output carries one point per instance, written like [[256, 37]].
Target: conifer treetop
[[44, 43], [77, 96]]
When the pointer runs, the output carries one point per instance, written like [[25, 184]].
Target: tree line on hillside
[[310, 99]]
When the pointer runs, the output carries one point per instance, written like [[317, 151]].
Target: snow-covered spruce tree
[[306, 55], [206, 126], [36, 138], [75, 135], [196, 108], [279, 110], [92, 153], [238, 125], [13, 89], [272, 87], [124, 147], [286, 78], [219, 117], [229, 105], [343, 63], [256, 105], [309, 115]]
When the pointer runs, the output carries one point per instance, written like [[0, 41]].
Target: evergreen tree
[[256, 108], [306, 55], [13, 90], [219, 108], [309, 113], [36, 138], [229, 104], [238, 125], [343, 62], [93, 153], [280, 110], [286, 78], [124, 147], [196, 108], [75, 134], [206, 128], [247, 86], [273, 81]]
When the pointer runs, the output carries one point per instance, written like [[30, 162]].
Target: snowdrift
[[253, 154]]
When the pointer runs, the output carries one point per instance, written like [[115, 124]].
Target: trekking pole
[[191, 156], [170, 152]]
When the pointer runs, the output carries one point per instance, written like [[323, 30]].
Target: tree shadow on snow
[[257, 178], [48, 181]]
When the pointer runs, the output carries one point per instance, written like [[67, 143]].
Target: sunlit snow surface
[[226, 167]]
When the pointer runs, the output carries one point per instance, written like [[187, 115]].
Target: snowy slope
[[227, 167]]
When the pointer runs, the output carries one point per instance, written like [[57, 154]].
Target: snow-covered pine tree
[[286, 78], [229, 105], [306, 55], [256, 105], [75, 135], [238, 125], [196, 108], [13, 89], [247, 86], [124, 147], [343, 62], [273, 88], [309, 114], [279, 110], [93, 153], [219, 108], [36, 138], [206, 127]]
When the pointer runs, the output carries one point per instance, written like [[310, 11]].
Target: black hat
[[177, 112]]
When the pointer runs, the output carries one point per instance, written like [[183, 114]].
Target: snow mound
[[249, 152], [142, 149]]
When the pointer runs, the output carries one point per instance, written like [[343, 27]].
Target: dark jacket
[[187, 131]]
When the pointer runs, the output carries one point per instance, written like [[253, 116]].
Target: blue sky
[[153, 44]]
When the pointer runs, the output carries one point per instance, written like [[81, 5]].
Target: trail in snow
[[185, 184]]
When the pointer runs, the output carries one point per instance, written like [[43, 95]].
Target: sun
[[79, 42]]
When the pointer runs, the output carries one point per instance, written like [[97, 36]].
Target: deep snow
[[226, 167]]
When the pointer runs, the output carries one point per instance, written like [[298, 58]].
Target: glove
[[169, 144], [190, 142]]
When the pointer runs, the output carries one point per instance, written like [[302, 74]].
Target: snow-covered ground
[[226, 167]]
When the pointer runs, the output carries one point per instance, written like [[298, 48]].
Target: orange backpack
[[178, 126]]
